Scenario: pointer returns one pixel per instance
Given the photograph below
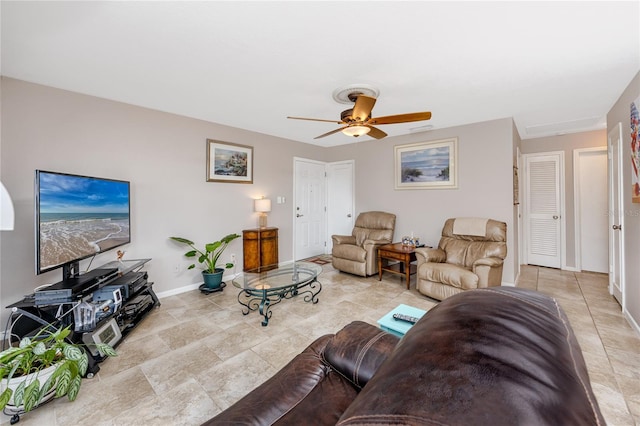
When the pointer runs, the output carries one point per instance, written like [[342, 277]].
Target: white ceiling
[[555, 67]]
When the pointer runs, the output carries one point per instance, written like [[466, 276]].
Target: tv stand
[[96, 287]]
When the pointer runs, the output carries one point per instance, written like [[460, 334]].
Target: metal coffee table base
[[263, 299]]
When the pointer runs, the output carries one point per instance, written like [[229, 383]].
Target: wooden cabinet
[[260, 247]]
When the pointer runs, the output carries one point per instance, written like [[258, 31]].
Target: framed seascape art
[[229, 162], [427, 165]]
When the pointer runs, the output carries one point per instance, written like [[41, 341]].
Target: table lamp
[[262, 206]]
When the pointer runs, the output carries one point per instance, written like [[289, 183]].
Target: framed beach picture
[[427, 165], [229, 162]]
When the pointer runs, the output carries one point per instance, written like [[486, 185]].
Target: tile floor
[[197, 354]]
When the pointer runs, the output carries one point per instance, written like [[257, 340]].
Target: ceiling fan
[[357, 121]]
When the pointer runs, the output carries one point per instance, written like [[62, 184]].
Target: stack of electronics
[[127, 284], [133, 310], [75, 288], [108, 299]]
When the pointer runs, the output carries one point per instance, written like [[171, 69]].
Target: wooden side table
[[404, 256], [260, 249]]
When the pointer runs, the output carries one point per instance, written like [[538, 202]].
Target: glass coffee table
[[261, 289]]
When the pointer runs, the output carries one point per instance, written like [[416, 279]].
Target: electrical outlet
[[233, 258]]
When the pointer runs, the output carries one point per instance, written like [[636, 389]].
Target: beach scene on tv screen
[[80, 216]]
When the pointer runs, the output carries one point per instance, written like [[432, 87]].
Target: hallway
[[610, 346]]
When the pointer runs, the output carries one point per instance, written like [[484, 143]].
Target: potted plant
[[208, 258], [43, 367]]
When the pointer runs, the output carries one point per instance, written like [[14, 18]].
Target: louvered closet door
[[543, 211]]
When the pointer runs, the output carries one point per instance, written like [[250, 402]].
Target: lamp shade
[[6, 210], [356, 130], [262, 205]]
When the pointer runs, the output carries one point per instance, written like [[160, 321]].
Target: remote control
[[406, 318]]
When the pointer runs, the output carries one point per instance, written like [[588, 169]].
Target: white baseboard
[[632, 322], [190, 287], [178, 290]]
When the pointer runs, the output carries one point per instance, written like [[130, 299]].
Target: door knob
[[299, 215], [349, 215], [617, 227], [555, 217]]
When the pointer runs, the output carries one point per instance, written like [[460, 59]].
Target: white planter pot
[[42, 376]]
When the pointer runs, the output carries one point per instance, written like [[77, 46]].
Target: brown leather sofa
[[358, 253], [499, 356], [470, 255]]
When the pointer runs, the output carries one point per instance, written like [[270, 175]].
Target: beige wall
[[164, 157], [567, 143], [485, 184], [619, 113]]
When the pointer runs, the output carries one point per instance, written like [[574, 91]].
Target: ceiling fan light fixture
[[356, 130]]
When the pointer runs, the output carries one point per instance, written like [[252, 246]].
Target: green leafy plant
[[35, 354], [211, 253]]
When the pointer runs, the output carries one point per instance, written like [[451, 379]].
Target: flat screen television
[[78, 217]]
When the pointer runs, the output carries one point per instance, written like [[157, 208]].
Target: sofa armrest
[[426, 254], [299, 377], [330, 372], [358, 350], [375, 243], [371, 248], [343, 239], [488, 261], [489, 271]]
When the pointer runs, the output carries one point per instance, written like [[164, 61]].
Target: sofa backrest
[[465, 249], [492, 356], [374, 226]]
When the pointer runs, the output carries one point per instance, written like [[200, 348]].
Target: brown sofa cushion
[[505, 356]]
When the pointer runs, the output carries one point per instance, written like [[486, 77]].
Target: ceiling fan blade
[[317, 119], [401, 118], [331, 132], [362, 108], [376, 133]]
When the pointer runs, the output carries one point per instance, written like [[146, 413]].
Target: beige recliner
[[358, 253], [470, 255]]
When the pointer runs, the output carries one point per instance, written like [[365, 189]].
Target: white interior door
[[310, 208], [590, 194], [616, 216], [340, 199], [543, 209]]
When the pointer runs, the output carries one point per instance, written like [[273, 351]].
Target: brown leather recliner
[[358, 253], [470, 255]]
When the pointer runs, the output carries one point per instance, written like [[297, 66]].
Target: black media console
[[117, 294]]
